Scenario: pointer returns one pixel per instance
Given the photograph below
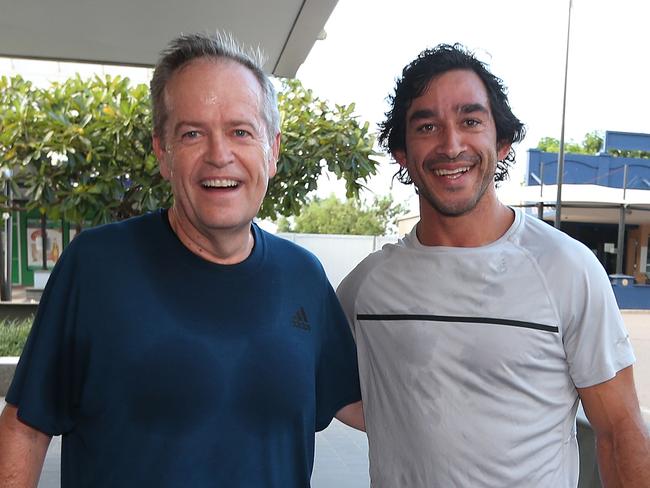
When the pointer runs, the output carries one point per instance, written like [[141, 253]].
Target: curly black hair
[[414, 81]]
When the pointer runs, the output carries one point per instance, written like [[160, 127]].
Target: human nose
[[218, 151], [450, 143]]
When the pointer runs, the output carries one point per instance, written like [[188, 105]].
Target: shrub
[[13, 334]]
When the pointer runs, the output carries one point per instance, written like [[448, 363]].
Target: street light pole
[[560, 158]]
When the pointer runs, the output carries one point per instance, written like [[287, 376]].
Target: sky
[[524, 43]]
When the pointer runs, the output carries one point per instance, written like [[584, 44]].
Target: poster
[[53, 246]]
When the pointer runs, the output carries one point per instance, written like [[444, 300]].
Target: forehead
[[208, 82], [452, 90]]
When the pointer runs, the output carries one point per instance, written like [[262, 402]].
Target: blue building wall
[[631, 141], [632, 297], [603, 170]]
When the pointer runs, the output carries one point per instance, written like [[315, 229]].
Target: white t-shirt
[[469, 358]]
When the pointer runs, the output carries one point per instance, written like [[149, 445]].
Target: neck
[[225, 246], [483, 225]]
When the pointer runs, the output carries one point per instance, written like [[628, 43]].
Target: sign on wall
[[53, 243]]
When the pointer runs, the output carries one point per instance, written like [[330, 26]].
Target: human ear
[[160, 152], [503, 149], [275, 154], [400, 157]]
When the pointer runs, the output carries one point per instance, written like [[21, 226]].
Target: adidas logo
[[300, 320]]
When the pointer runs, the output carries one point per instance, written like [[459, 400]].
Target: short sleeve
[[596, 343], [347, 297], [348, 289], [337, 378], [47, 376]]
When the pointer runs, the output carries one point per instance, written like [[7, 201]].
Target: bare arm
[[622, 439], [22, 451], [352, 415]]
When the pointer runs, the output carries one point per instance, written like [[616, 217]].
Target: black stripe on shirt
[[447, 318]]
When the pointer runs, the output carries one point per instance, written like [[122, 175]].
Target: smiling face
[[215, 150], [451, 148]]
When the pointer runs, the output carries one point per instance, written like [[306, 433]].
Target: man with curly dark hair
[[480, 331], [414, 82]]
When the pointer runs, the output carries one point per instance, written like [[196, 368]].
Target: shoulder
[[117, 240], [148, 224], [552, 249], [574, 278], [378, 267], [289, 255], [366, 267], [140, 224]]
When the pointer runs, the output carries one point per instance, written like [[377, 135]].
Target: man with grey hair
[[196, 350]]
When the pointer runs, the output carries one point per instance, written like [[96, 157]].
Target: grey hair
[[188, 47]]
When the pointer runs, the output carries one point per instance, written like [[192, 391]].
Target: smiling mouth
[[219, 183], [451, 173]]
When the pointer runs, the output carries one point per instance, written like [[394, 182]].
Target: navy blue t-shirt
[[162, 369]]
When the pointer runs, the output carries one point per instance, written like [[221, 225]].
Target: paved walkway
[[638, 326]]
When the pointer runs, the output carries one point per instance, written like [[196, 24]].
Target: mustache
[[441, 158]]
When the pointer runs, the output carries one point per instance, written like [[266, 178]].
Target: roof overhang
[[590, 214], [589, 203], [133, 32]]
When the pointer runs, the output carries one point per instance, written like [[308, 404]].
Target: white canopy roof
[[132, 32]]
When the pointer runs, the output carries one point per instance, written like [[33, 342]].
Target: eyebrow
[[182, 123], [473, 107], [423, 113], [426, 113]]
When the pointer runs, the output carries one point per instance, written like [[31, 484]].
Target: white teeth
[[219, 183], [450, 172]]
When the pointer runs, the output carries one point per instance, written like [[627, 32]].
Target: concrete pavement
[[638, 326]]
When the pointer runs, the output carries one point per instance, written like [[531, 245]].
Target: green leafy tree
[[315, 137], [81, 149], [332, 216], [591, 144]]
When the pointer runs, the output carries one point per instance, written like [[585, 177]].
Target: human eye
[[425, 128], [472, 123], [190, 135], [241, 133]]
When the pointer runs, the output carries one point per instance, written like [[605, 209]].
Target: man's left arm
[[622, 439]]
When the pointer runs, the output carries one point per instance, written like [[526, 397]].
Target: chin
[[226, 224]]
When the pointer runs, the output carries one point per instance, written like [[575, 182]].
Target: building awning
[[588, 203], [132, 32]]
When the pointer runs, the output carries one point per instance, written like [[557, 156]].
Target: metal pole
[[5, 289], [621, 227], [3, 274], [540, 205], [44, 242], [560, 161], [8, 285]]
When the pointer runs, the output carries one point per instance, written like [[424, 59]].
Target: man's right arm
[[22, 451]]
